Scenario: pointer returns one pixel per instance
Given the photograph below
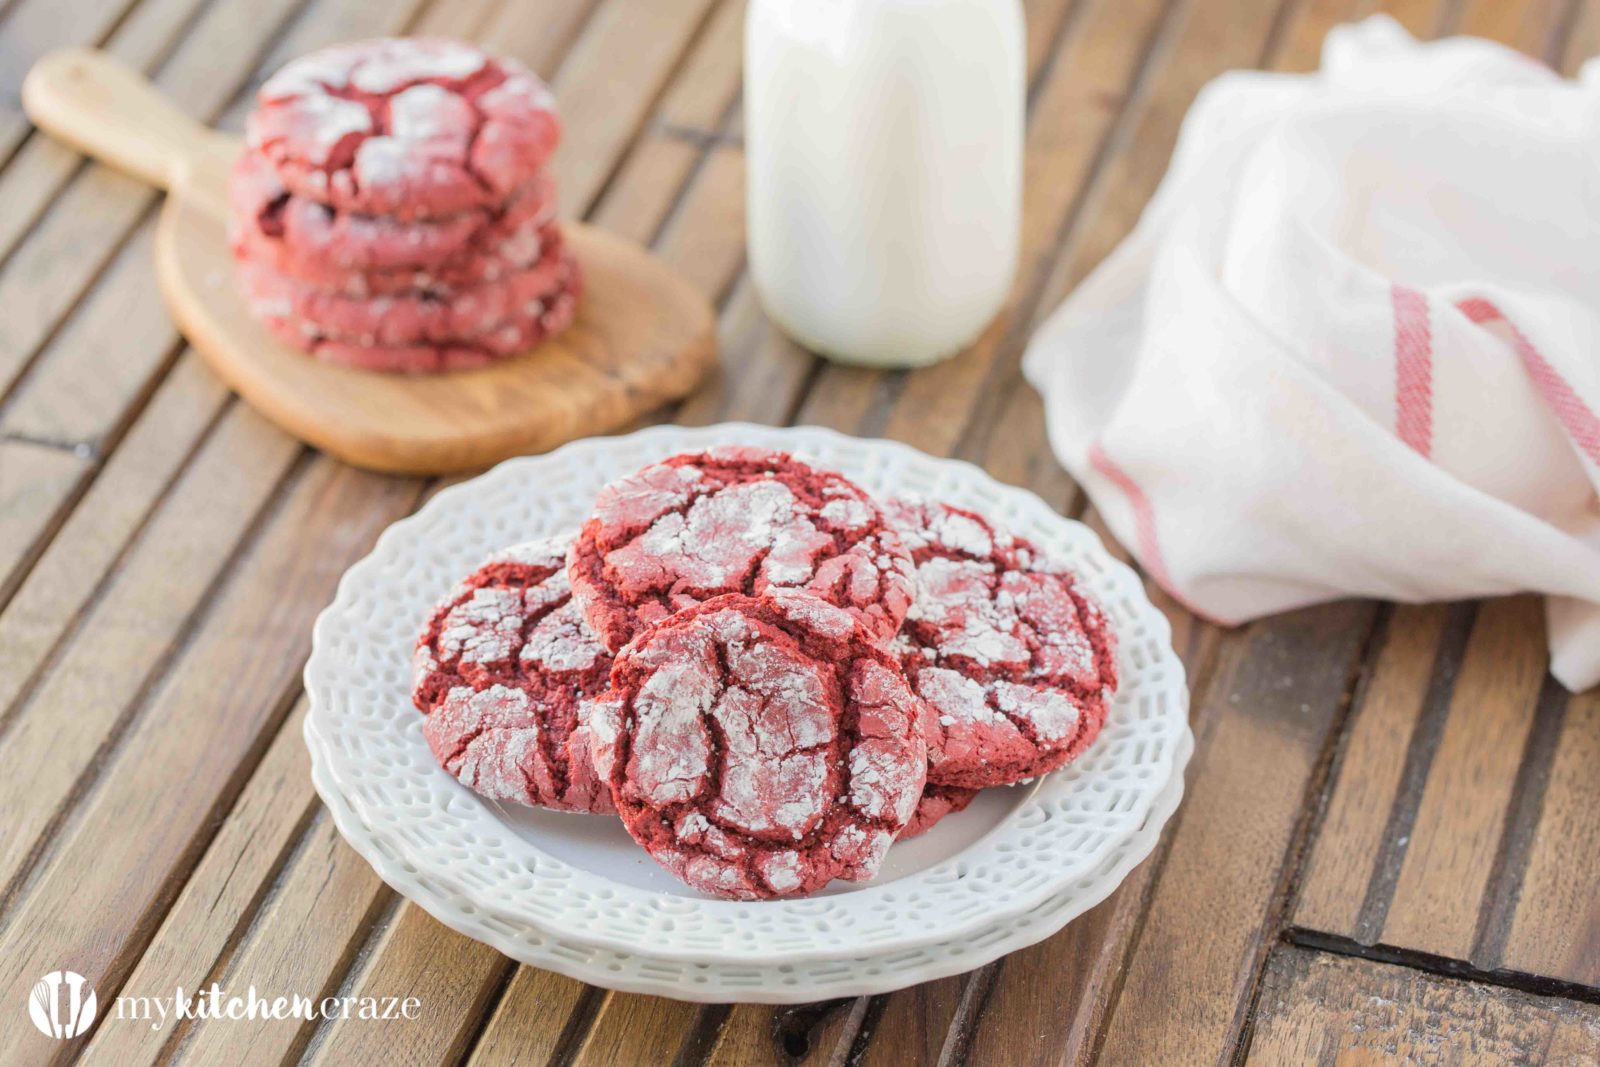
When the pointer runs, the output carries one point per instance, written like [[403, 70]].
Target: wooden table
[[1390, 835]]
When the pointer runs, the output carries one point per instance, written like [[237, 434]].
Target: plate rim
[[711, 436]]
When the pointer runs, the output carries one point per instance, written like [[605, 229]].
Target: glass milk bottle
[[884, 184]]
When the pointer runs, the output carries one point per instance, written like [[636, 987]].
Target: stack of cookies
[[392, 210], [768, 675]]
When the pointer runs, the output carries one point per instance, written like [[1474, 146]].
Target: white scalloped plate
[[711, 982], [578, 877]]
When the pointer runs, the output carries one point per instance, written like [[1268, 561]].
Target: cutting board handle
[[106, 109]]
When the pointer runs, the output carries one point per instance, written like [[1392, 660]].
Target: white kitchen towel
[[1352, 347]]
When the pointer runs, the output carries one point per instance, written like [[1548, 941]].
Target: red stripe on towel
[[1413, 369], [1574, 415], [1144, 527]]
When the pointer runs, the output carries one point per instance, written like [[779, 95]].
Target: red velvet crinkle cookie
[[506, 340], [1015, 662], [760, 747], [735, 520], [502, 670], [411, 318], [404, 127], [937, 802], [312, 243]]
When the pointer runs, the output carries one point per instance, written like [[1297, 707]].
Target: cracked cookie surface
[[760, 747], [735, 520], [404, 127], [367, 254], [1016, 664], [502, 670]]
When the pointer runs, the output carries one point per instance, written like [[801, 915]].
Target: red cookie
[[735, 520], [1015, 662], [414, 318], [313, 243], [937, 802], [502, 670], [404, 127], [504, 342], [760, 747]]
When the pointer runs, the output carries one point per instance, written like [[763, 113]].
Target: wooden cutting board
[[642, 336]]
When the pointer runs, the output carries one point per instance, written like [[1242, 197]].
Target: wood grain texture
[[1349, 843], [1443, 882], [1555, 930], [1325, 1009]]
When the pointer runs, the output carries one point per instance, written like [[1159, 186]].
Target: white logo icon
[[61, 1015]]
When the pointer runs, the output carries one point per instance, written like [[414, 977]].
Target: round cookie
[[502, 670], [760, 747], [1015, 663], [404, 127], [411, 318], [937, 802], [503, 342], [735, 520], [311, 242]]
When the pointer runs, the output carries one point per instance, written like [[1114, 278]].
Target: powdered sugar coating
[[412, 318], [735, 520], [760, 747], [365, 255], [1016, 664], [502, 670], [522, 333], [404, 127]]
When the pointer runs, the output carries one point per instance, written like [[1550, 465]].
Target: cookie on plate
[[937, 802], [760, 747], [735, 520], [404, 127], [502, 670], [1015, 662]]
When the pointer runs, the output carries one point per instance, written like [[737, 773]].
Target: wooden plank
[[33, 28], [102, 359], [799, 1036], [78, 557], [1444, 881], [42, 165], [42, 280], [761, 373], [454, 977], [33, 479], [1318, 1008], [538, 32], [128, 627], [1349, 844], [628, 1029], [99, 890], [301, 943], [1583, 42], [201, 930], [1555, 929], [1261, 729], [604, 99], [530, 1021], [1531, 26]]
